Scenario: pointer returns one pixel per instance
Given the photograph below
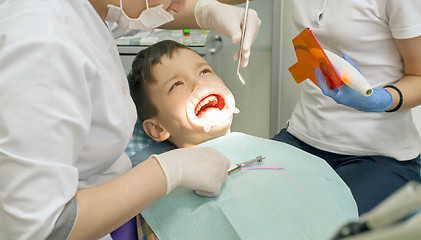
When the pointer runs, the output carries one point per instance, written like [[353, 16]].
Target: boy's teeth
[[206, 101]]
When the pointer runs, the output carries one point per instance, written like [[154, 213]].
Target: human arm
[[410, 83], [232, 2], [41, 145], [224, 18], [186, 19], [106, 207], [211, 15], [384, 99]]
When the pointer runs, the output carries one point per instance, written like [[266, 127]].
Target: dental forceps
[[240, 55], [237, 167]]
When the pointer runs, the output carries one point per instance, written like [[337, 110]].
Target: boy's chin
[[215, 132], [220, 130]]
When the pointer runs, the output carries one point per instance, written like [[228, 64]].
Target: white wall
[[285, 91], [416, 114]]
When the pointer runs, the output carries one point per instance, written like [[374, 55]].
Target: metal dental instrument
[[240, 55], [237, 167]]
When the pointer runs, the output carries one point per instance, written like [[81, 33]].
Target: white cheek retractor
[[210, 104]]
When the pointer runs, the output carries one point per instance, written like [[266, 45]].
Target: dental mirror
[[240, 55]]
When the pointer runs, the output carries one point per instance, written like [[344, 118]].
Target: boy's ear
[[155, 130]]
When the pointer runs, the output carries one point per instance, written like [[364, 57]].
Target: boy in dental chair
[[183, 103]]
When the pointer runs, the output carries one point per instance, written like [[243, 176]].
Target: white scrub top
[[66, 112], [364, 30]]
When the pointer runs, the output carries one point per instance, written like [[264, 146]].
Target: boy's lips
[[212, 101]]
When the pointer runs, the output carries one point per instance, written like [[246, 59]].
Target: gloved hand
[[379, 101], [228, 20], [198, 168]]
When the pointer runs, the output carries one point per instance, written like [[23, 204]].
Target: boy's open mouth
[[209, 105], [210, 102]]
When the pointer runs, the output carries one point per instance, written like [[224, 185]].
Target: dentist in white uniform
[[66, 116]]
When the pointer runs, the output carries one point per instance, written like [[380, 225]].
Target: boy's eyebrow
[[201, 64]]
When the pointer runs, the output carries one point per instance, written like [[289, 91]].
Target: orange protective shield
[[310, 56]]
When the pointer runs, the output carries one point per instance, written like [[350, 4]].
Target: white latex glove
[[228, 20], [198, 168]]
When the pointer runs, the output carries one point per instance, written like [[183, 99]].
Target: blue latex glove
[[379, 101]]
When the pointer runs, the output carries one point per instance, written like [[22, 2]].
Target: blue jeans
[[370, 178]]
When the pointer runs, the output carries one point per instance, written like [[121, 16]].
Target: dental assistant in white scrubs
[[371, 142], [66, 117]]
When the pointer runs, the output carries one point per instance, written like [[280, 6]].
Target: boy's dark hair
[[141, 76]]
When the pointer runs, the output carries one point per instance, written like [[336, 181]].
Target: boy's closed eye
[[204, 71], [176, 84]]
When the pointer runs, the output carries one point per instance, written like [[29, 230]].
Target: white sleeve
[[65, 222], [45, 117], [404, 18]]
